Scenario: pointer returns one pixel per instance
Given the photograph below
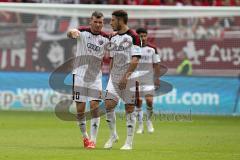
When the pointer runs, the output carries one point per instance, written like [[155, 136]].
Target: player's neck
[[144, 44], [124, 29], [94, 32]]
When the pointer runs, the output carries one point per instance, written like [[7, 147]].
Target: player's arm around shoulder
[[73, 33]]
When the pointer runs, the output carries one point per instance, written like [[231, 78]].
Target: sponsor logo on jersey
[[125, 39], [119, 48], [93, 47]]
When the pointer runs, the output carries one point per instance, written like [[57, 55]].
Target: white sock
[[111, 120], [131, 123], [139, 114], [149, 113], [82, 126], [95, 122]]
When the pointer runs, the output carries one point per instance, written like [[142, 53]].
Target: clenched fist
[[73, 33]]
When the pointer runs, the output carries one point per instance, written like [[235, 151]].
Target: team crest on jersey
[[148, 51], [100, 42], [125, 39]]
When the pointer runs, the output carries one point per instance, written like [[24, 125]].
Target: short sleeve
[[136, 50], [156, 58]]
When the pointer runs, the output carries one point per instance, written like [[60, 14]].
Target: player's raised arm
[[73, 33]]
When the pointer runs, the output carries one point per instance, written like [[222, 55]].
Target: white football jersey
[[123, 48], [91, 49], [149, 56]]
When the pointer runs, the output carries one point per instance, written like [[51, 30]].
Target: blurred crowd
[[189, 26], [199, 28], [193, 23], [140, 2]]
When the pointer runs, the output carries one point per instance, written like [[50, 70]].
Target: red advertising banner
[[211, 50], [204, 54], [13, 54]]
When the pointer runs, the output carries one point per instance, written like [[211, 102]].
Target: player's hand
[[73, 33], [157, 83], [122, 83]]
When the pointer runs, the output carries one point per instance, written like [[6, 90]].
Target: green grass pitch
[[42, 136]]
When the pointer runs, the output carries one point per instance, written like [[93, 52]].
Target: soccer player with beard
[[125, 54], [87, 79]]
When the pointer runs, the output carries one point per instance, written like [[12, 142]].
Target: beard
[[118, 27], [144, 43]]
